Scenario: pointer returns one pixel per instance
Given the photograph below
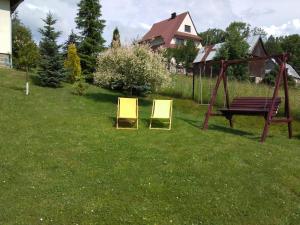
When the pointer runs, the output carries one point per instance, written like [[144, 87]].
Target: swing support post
[[214, 94]]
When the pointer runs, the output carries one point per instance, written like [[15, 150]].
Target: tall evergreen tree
[[91, 25], [51, 67], [273, 46], [72, 39], [116, 42]]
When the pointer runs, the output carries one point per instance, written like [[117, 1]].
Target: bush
[[79, 87], [270, 78], [136, 69]]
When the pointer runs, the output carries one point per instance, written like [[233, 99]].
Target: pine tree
[[72, 64], [273, 46], [91, 25], [116, 42], [72, 39], [50, 71]]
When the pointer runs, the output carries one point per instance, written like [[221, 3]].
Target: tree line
[[75, 61], [55, 63], [235, 47]]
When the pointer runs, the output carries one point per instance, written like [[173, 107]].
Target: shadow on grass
[[35, 80], [102, 97], [297, 136], [127, 123], [113, 98], [15, 88], [230, 130], [194, 123], [113, 120], [145, 122]]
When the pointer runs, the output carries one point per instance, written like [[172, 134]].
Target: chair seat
[[251, 106]]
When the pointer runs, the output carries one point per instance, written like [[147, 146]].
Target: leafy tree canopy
[[235, 47], [25, 51], [212, 36]]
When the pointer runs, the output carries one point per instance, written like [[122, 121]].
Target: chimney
[[173, 15]]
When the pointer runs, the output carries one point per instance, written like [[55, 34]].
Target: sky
[[135, 17]]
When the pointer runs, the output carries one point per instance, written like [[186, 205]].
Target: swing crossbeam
[[267, 107]]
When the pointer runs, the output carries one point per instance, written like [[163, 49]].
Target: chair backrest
[[128, 108], [162, 109]]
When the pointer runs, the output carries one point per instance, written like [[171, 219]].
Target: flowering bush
[[133, 68]]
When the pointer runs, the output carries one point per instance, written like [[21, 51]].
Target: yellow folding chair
[[128, 111], [162, 111]]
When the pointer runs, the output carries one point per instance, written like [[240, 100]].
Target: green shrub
[[135, 69], [79, 87], [72, 64]]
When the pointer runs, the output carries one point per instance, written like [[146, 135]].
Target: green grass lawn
[[63, 162]]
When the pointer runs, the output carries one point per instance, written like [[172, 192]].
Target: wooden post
[[227, 99], [287, 103], [201, 87], [193, 91], [214, 94], [275, 94]]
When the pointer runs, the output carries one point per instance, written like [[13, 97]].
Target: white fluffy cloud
[[292, 26], [135, 17]]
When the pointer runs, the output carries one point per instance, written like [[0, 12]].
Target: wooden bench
[[251, 106]]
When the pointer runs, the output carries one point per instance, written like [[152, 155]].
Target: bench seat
[[251, 106]]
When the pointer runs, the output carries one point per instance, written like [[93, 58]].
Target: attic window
[[187, 28]]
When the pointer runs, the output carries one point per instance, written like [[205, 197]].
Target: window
[[187, 28], [179, 41]]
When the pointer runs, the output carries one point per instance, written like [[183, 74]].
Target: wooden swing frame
[[252, 106]]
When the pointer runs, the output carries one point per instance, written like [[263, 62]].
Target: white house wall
[[173, 41], [187, 21], [5, 27]]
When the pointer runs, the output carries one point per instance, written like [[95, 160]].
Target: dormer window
[[187, 28]]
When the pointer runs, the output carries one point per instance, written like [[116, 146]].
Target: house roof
[[292, 72], [186, 35], [208, 53], [167, 29], [14, 4]]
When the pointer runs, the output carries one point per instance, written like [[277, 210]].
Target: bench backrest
[[255, 103]]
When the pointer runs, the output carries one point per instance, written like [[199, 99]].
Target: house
[[271, 64], [172, 32], [207, 54], [7, 7]]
